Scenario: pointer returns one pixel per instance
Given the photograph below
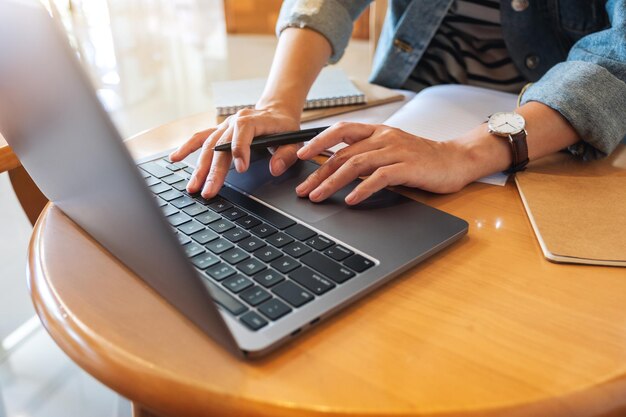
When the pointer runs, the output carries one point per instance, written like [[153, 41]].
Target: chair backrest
[[8, 160]]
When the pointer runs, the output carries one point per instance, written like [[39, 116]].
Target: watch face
[[506, 123]]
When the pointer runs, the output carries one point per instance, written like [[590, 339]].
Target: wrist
[[280, 107], [483, 153]]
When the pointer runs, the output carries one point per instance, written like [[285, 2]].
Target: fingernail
[[302, 152], [300, 188], [239, 166], [279, 166], [351, 198], [315, 194]]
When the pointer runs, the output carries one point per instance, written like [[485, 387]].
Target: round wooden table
[[487, 327]]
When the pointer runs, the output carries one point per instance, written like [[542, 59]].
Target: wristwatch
[[510, 125]]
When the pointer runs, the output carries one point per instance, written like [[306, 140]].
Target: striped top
[[468, 48]]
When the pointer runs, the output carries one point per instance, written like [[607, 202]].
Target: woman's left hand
[[388, 156]]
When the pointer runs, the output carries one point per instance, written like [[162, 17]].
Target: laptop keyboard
[[258, 264]]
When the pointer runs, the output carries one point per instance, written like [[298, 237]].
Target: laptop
[[254, 266]]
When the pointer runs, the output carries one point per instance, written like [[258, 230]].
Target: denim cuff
[[327, 17], [591, 99]]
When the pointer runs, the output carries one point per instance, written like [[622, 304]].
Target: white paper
[[437, 113]]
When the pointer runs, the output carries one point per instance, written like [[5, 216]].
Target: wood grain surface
[[486, 328]]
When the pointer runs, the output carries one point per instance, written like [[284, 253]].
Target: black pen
[[278, 139]]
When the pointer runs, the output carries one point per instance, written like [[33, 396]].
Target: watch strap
[[519, 148]]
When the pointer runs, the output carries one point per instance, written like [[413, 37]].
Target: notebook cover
[[331, 88], [375, 95], [578, 209]]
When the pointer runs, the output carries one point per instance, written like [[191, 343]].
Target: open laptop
[[252, 267]]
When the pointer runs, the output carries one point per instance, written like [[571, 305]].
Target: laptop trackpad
[[280, 191]]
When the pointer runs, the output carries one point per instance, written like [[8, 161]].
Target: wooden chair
[[29, 196]]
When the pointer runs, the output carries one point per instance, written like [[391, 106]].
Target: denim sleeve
[[332, 18], [589, 88]]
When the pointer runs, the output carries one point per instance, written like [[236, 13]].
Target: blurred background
[[151, 62]]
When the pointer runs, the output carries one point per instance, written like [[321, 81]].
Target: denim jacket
[[573, 50]]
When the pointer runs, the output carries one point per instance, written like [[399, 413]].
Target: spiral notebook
[[332, 88]]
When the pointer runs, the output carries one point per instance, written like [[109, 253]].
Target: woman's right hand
[[238, 130]]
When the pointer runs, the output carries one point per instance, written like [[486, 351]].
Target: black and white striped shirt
[[468, 48]]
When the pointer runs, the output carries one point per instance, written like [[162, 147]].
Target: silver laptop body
[[54, 122]]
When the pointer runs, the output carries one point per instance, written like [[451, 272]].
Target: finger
[[244, 132], [219, 168], [191, 145], [339, 132], [333, 163], [358, 165], [203, 165], [284, 157], [381, 178]]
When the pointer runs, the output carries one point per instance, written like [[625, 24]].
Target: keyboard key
[[188, 170], [182, 202], [160, 201], [220, 271], [268, 278], [251, 266], [274, 309], [204, 260], [311, 280], [192, 249], [300, 232], [248, 221], [296, 249], [285, 264], [234, 255], [170, 195], [176, 166], [338, 253], [269, 215], [253, 320], [195, 209], [221, 226], [237, 283], [263, 230], [226, 300], [219, 205], [150, 181], [178, 219], [169, 210], [219, 246], [255, 295], [190, 228], [144, 174], [182, 239], [204, 236], [160, 188], [207, 217], [267, 254], [358, 263], [234, 214], [236, 234], [327, 266], [292, 293], [180, 186], [155, 169], [320, 242], [251, 244], [279, 240], [172, 179]]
